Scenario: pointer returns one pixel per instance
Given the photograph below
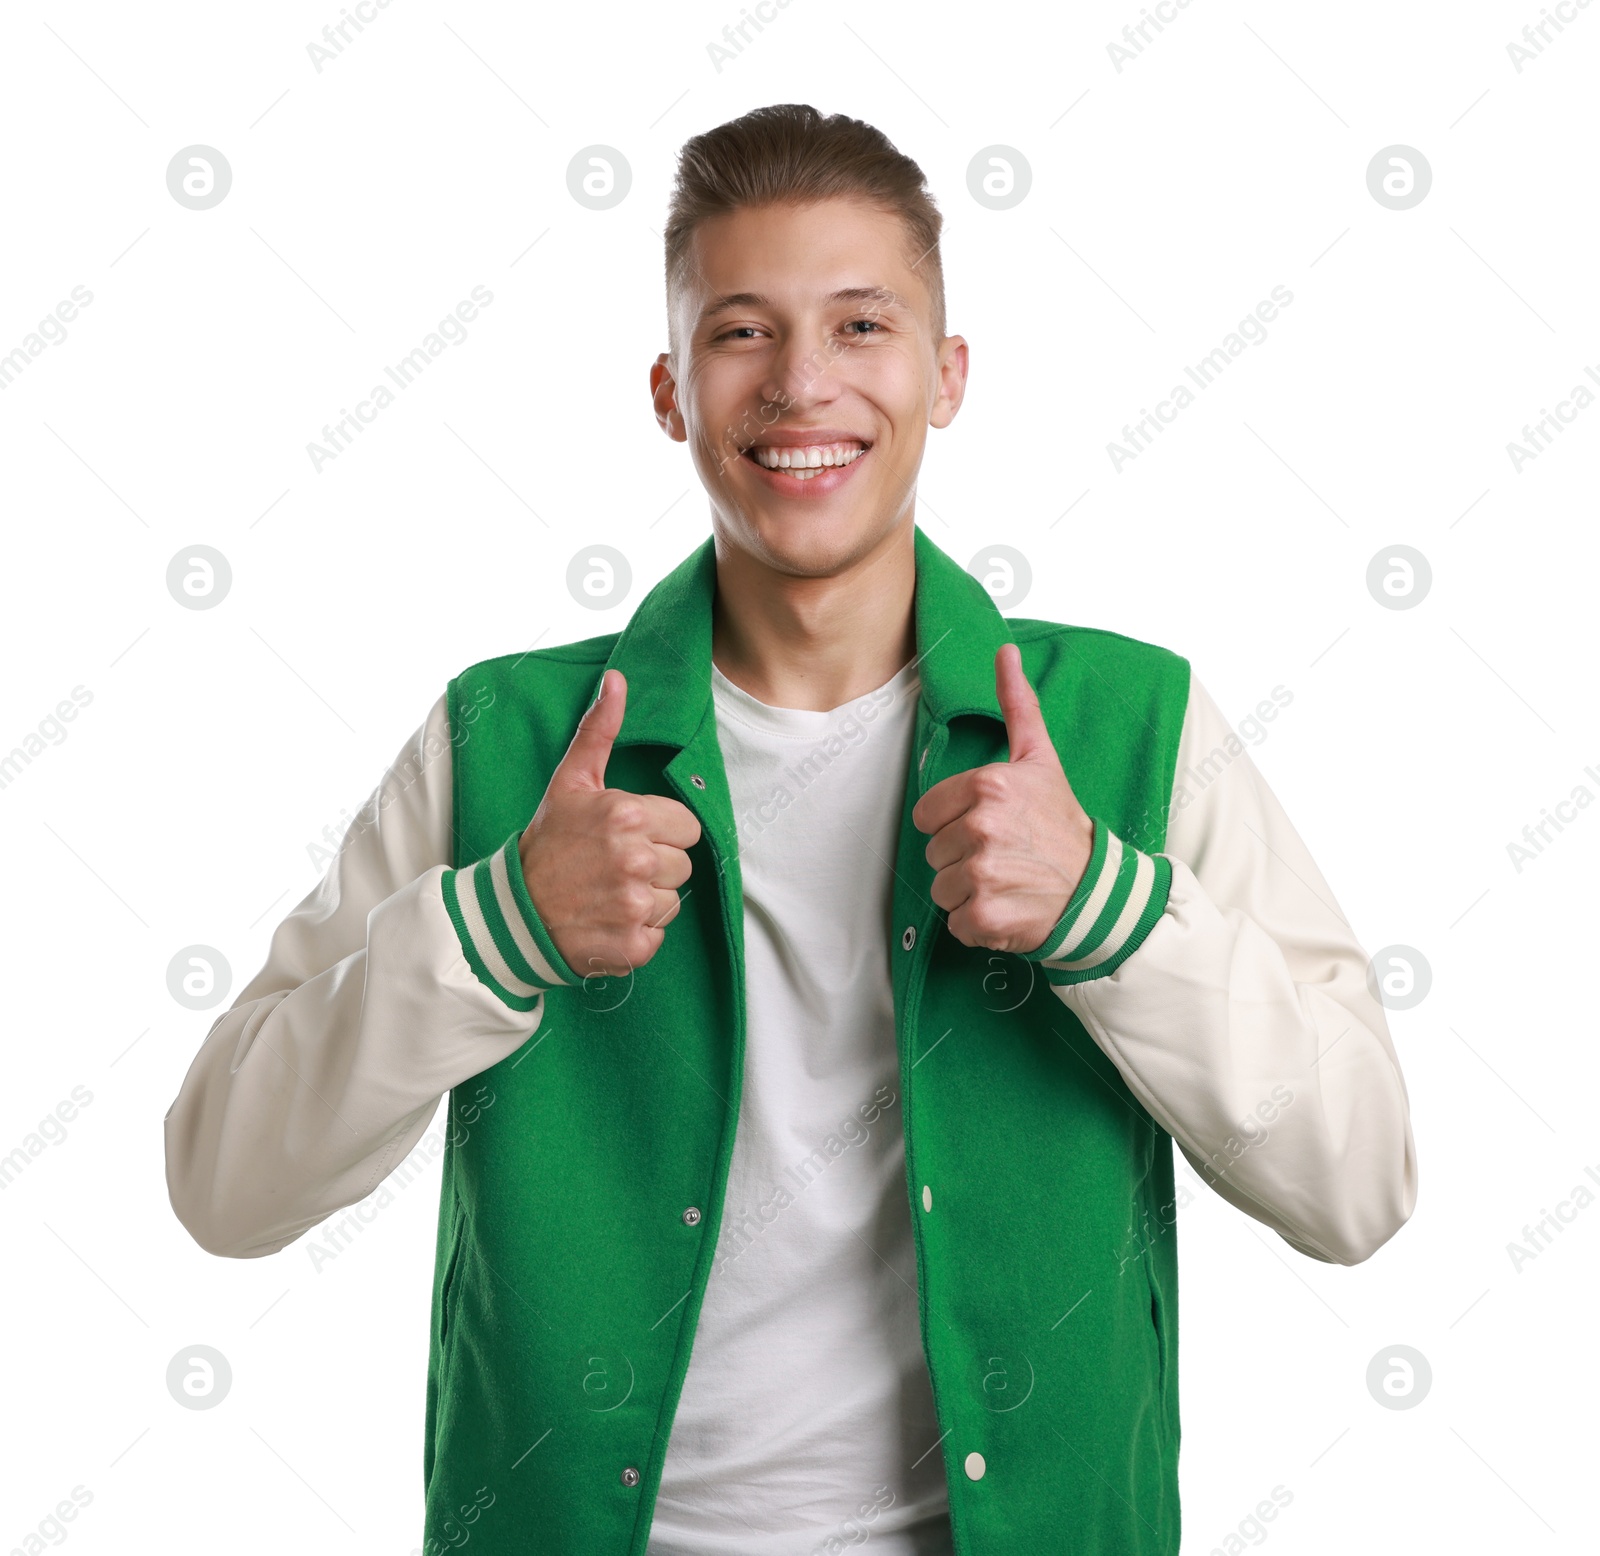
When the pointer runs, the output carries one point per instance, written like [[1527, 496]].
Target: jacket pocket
[[1158, 1323], [447, 1290]]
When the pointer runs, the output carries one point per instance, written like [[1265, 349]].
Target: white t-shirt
[[807, 1412]]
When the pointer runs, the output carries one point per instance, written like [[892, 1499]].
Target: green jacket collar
[[665, 649]]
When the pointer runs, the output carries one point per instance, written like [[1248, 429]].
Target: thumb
[[584, 765], [1026, 735]]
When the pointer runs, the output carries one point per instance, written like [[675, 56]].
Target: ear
[[664, 396], [952, 365]]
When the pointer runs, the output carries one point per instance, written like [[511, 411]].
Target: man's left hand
[[1010, 842]]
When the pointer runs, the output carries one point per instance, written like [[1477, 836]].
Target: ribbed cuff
[[1122, 894], [502, 936]]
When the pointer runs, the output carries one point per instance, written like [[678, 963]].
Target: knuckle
[[642, 945], [983, 919], [991, 783], [624, 811], [639, 862], [983, 826]]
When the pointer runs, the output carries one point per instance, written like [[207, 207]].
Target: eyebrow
[[848, 294]]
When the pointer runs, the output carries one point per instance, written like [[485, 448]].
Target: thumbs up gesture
[[1010, 842], [603, 865]]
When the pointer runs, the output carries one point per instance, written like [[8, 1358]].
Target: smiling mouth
[[809, 461]]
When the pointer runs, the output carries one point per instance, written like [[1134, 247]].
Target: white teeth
[[801, 461]]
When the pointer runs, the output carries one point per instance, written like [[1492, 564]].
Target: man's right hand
[[603, 865]]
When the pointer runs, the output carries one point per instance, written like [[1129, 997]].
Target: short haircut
[[789, 153]]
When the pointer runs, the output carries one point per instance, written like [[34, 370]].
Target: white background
[[1168, 199]]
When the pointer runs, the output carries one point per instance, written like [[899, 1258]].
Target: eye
[[872, 322], [729, 334]]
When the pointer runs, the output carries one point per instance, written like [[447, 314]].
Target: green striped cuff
[[502, 936], [1122, 894]]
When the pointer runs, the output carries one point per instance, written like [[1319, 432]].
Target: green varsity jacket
[[578, 1214]]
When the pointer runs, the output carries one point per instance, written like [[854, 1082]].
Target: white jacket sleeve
[[396, 978], [1238, 1011]]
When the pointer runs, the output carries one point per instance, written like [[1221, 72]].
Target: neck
[[815, 642]]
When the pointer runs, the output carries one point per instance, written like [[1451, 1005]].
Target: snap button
[[909, 938], [691, 1217], [927, 1197], [697, 780], [630, 1476], [975, 1466]]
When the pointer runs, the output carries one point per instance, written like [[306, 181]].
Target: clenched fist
[[1010, 841], [603, 865]]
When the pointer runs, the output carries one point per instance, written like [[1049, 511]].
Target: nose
[[802, 372]]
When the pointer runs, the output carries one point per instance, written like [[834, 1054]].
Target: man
[[821, 969]]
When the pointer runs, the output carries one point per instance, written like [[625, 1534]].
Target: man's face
[[806, 377]]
